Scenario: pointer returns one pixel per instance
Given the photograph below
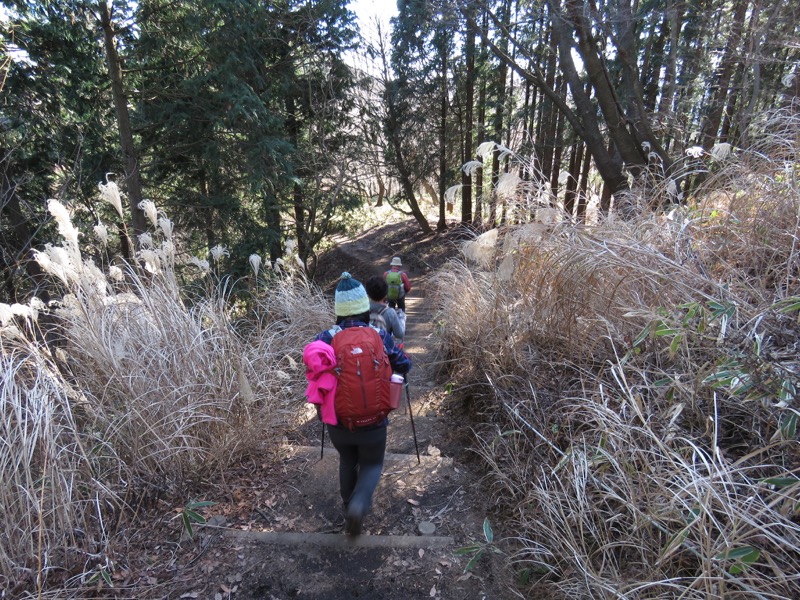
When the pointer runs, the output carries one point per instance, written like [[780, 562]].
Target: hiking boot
[[354, 519]]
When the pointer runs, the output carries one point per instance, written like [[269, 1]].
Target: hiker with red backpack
[[381, 315], [398, 285], [365, 358]]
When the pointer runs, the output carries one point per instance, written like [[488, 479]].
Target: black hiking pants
[[399, 303], [360, 463]]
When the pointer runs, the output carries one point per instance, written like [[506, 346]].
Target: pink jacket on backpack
[[320, 362]]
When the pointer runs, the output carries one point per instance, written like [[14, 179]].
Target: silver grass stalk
[[695, 151], [6, 314], [151, 258], [720, 152], [66, 229], [482, 250]]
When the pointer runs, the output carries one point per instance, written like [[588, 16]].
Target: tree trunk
[[758, 37], [583, 189], [571, 192], [381, 190], [499, 109], [722, 79], [403, 172], [469, 102], [442, 224], [17, 243], [604, 93], [654, 61], [608, 165], [301, 229], [584, 118], [548, 117], [481, 120], [129, 157], [558, 142], [666, 105]]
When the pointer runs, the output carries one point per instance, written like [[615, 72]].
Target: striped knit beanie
[[351, 297]]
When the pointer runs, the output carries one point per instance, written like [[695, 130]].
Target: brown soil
[[299, 494]]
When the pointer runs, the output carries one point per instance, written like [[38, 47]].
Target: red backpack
[[363, 368]]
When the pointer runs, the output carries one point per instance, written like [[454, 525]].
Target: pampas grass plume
[[145, 240], [166, 227], [218, 251], [101, 232], [695, 151], [152, 260], [65, 226], [115, 273], [109, 192], [481, 250], [507, 184], [255, 262], [451, 192], [485, 149], [721, 151], [148, 207], [201, 264], [471, 167]]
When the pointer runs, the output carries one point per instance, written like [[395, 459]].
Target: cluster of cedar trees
[[244, 123], [616, 89]]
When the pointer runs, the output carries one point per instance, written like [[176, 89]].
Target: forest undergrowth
[[137, 389], [635, 387]]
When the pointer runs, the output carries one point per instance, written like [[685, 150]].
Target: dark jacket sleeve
[[400, 361]]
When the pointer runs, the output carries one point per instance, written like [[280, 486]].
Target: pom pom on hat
[[350, 298]]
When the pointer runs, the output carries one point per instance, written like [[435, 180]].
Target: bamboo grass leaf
[[487, 530], [473, 561]]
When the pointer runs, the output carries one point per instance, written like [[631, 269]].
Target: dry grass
[[636, 383], [42, 461], [148, 395]]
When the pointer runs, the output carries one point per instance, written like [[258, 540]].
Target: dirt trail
[[422, 512]]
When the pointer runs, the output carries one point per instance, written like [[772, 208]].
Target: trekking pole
[[322, 445], [413, 429]]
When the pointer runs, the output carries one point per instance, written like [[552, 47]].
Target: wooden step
[[312, 452], [339, 540]]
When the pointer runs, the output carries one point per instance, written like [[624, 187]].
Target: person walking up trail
[[363, 361], [399, 285], [380, 314]]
